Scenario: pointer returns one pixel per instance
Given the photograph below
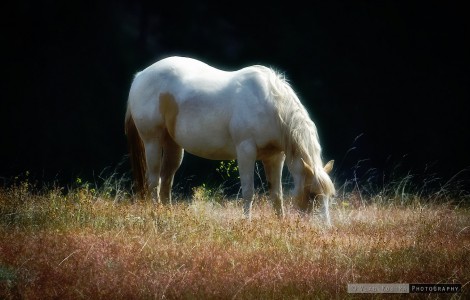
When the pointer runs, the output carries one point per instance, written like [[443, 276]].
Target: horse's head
[[317, 185]]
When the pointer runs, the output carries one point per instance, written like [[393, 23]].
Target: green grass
[[98, 244]]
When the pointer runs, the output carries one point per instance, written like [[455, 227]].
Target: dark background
[[386, 82]]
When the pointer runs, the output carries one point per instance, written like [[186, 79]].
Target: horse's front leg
[[273, 169], [326, 211], [246, 157]]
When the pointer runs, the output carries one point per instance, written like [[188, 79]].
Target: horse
[[182, 104]]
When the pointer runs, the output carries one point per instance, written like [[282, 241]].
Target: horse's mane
[[299, 133]]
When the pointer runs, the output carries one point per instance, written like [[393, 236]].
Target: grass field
[[93, 244]]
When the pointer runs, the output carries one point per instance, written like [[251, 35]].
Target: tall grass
[[101, 243]]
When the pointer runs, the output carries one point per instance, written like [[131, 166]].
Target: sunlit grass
[[98, 243]]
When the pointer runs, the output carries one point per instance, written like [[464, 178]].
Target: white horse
[[249, 114]]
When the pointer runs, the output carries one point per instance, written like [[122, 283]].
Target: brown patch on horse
[[268, 150], [169, 109]]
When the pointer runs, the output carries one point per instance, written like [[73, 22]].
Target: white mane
[[300, 135]]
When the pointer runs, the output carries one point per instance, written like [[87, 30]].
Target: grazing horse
[[248, 114]]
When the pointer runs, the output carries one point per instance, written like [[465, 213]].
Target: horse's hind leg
[[246, 157], [153, 157], [273, 169], [172, 158]]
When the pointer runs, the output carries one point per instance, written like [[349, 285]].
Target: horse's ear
[[329, 166], [307, 168]]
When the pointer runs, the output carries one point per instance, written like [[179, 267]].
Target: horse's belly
[[205, 138]]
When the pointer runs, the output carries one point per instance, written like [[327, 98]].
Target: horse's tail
[[137, 154]]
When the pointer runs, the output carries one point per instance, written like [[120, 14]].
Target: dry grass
[[87, 244]]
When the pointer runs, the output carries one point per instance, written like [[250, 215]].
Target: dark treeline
[[386, 83]]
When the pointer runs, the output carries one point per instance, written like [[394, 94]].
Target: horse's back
[[177, 68]]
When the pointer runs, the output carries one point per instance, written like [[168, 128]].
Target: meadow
[[102, 243]]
